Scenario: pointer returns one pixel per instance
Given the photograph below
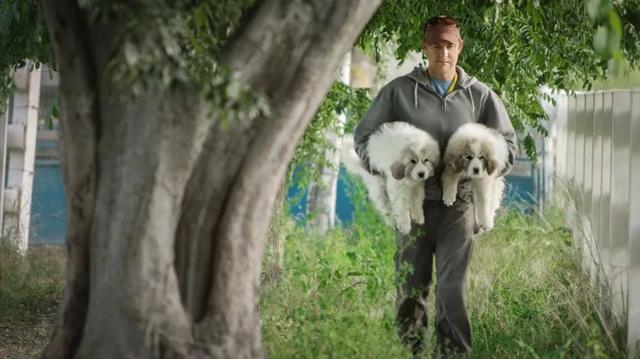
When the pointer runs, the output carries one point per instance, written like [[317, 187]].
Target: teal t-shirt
[[441, 86]]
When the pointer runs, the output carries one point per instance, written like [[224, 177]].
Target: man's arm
[[379, 112], [494, 115]]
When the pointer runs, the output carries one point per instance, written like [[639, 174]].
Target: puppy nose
[[421, 174], [476, 170]]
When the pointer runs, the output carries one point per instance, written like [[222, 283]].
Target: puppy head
[[473, 160], [460, 160], [416, 164]]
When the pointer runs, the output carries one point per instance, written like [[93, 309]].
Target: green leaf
[[601, 41], [615, 22], [597, 8], [530, 147]]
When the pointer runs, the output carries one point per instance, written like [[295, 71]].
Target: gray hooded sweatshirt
[[412, 98]]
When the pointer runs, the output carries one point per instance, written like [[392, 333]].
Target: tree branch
[[289, 52]]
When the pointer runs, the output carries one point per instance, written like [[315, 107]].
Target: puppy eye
[[426, 160], [469, 157], [481, 157], [414, 161]]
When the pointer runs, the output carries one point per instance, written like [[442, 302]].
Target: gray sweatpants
[[446, 236]]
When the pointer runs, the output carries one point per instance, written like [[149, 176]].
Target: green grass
[[334, 298], [30, 290]]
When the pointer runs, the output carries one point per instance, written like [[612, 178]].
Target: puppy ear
[[458, 165], [397, 170], [408, 168], [490, 164]]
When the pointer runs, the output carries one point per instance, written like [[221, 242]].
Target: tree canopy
[[517, 46], [23, 36], [513, 46]]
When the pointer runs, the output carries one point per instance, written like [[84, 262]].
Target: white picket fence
[[595, 144]]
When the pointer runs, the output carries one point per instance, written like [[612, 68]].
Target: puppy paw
[[486, 225], [419, 218], [477, 230], [449, 198], [404, 227]]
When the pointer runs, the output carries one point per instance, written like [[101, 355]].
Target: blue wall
[[48, 208], [48, 204], [520, 191]]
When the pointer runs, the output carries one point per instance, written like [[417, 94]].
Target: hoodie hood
[[419, 75]]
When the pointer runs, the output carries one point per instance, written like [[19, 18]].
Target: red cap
[[442, 32]]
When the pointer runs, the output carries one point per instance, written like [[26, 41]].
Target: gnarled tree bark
[[168, 210]]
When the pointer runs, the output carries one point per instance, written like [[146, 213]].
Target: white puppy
[[480, 153], [406, 156]]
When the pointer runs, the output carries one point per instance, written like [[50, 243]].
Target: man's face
[[443, 55]]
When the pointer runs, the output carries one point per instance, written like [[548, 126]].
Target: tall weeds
[[333, 295], [527, 297], [30, 290]]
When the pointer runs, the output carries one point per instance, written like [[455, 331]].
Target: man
[[438, 100]]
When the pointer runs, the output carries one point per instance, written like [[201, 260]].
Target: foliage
[[335, 295], [173, 44], [310, 157], [164, 44], [31, 288], [527, 297], [23, 35], [610, 34], [516, 46]]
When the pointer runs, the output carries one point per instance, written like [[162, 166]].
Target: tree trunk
[[274, 254], [168, 209]]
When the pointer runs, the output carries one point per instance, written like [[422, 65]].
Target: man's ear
[[461, 45], [397, 170]]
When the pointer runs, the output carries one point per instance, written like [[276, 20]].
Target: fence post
[[619, 209], [597, 169], [4, 121], [571, 139], [607, 168], [633, 293], [587, 187]]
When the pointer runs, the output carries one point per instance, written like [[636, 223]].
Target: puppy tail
[[374, 184], [350, 159]]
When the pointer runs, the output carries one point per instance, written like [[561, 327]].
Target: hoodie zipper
[[443, 106], [444, 109]]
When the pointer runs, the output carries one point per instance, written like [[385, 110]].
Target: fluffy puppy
[[480, 153], [406, 157]]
